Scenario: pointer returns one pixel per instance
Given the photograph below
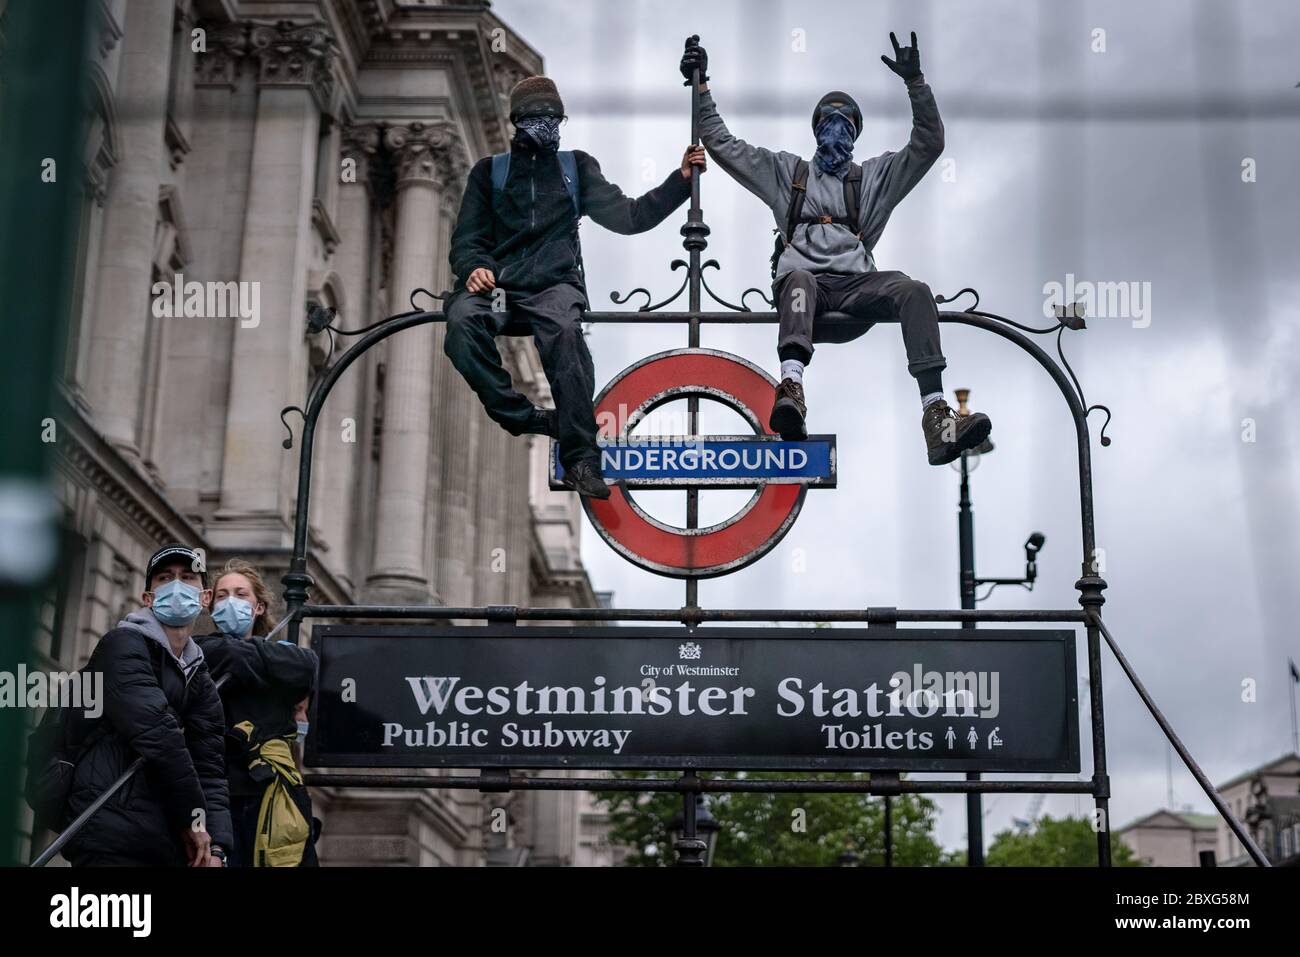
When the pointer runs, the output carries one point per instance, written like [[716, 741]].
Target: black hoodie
[[529, 238]]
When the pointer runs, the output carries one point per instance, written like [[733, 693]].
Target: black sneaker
[[541, 422], [584, 478], [789, 412], [948, 435]]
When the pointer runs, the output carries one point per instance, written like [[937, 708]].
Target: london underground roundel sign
[[780, 472]]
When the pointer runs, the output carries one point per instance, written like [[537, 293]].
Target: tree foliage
[[780, 830], [1052, 842]]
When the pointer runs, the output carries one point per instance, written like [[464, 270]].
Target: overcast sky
[[1117, 166]]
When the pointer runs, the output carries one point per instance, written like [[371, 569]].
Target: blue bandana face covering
[[541, 132], [176, 603], [834, 144], [233, 616]]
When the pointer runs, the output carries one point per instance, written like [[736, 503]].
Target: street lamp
[[967, 583], [695, 841]]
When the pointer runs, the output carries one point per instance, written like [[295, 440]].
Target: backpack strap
[[569, 169], [798, 189], [852, 191], [500, 171]]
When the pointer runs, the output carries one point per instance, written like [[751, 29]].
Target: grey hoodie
[[886, 179], [144, 621]]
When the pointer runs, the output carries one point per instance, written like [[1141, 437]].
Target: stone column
[[405, 517], [120, 322], [180, 129], [491, 553], [269, 357], [519, 519], [458, 415], [197, 364], [339, 448]]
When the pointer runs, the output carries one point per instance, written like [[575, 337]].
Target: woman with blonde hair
[[265, 684]]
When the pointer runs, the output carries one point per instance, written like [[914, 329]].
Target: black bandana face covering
[[540, 132], [834, 144]]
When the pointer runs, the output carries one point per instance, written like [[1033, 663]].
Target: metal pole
[[1090, 597], [518, 781], [889, 831], [515, 613], [693, 240], [690, 849], [966, 542], [1295, 729], [966, 587]]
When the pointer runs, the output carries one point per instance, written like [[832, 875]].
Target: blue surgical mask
[[302, 730], [176, 603], [233, 616]]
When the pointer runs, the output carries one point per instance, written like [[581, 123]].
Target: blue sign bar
[[715, 461]]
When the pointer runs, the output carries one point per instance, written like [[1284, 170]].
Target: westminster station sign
[[718, 698]]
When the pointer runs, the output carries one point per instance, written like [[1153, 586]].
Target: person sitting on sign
[[518, 263], [830, 212]]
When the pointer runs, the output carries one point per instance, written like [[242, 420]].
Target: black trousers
[[804, 299], [554, 319]]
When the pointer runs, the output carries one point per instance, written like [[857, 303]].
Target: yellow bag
[[282, 830]]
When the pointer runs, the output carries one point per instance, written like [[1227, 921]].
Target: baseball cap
[[171, 555]]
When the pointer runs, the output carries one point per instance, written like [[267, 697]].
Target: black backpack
[[54, 749], [53, 753], [799, 188]]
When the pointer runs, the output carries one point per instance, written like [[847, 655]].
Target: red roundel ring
[[681, 552]]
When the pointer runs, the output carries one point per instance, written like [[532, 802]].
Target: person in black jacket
[[160, 703], [518, 264], [266, 684]]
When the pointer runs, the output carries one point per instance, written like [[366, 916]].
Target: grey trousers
[[554, 319], [804, 299]]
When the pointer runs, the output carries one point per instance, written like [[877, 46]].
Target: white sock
[[792, 369], [931, 397]]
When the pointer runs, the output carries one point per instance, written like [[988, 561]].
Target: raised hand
[[908, 59], [694, 58]]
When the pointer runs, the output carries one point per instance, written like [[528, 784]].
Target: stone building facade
[[300, 153]]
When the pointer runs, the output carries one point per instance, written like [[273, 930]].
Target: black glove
[[694, 58], [908, 64]]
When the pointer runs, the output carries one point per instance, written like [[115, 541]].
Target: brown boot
[[789, 412], [948, 435]]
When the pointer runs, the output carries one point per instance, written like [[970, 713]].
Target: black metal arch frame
[[690, 848]]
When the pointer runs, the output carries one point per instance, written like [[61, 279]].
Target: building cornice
[[88, 459]]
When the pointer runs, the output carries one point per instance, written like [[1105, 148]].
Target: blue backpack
[[568, 167]]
